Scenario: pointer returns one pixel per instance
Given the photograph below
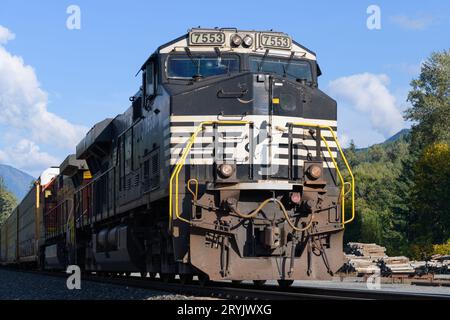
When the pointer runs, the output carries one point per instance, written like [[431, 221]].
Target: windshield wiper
[[260, 64], [285, 67], [219, 59], [218, 53], [194, 62], [303, 80]]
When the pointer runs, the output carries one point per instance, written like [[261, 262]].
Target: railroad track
[[268, 292], [224, 290]]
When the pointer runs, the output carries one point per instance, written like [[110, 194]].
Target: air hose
[[255, 212]]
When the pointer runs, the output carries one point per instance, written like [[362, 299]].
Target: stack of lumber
[[437, 265], [360, 265], [370, 250], [368, 258], [420, 267], [396, 265], [362, 258], [446, 265], [440, 257]]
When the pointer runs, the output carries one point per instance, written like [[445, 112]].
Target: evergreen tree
[[430, 102], [377, 170], [430, 223], [7, 202], [428, 170]]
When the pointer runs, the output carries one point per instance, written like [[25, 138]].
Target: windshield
[[295, 69], [183, 66]]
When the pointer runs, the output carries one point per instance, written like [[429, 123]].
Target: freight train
[[224, 167]]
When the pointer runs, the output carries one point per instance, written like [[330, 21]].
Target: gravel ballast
[[15, 285]]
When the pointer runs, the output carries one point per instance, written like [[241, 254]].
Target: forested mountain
[[15, 180], [7, 202], [378, 171], [14, 184]]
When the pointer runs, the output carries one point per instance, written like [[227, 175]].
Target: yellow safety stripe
[[343, 183], [181, 162]]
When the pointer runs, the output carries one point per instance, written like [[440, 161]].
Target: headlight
[[236, 40], [248, 41], [315, 172], [225, 170], [296, 197]]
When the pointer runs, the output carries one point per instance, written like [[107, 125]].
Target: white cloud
[[5, 35], [24, 112], [27, 156], [344, 140], [368, 94], [408, 23]]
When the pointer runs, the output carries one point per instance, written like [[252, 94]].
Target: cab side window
[[150, 79]]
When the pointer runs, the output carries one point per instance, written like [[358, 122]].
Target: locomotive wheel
[[236, 282], [143, 274], [203, 279], [152, 275], [259, 283], [285, 283], [167, 277], [186, 278]]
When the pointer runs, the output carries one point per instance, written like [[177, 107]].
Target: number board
[[275, 41], [199, 38]]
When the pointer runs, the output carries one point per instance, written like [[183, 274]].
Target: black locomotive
[[224, 167]]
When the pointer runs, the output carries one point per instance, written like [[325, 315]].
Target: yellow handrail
[[181, 162], [352, 183], [194, 193]]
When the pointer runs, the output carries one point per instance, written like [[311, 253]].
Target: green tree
[[7, 202], [427, 204], [377, 170], [430, 222], [350, 154], [430, 102]]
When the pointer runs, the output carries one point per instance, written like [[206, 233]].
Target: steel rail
[[225, 290]]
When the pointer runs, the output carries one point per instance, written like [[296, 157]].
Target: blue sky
[[83, 76]]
